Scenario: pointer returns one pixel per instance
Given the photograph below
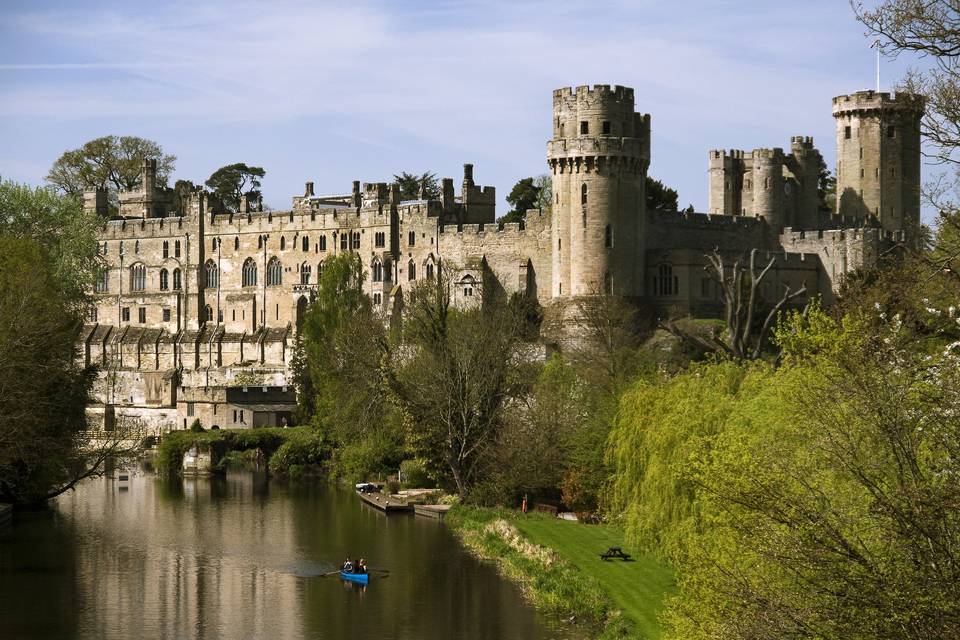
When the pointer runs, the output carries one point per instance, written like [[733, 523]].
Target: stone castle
[[196, 315]]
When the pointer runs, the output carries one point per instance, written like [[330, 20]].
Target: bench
[[545, 508], [614, 552]]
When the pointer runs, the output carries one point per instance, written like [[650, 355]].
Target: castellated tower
[[598, 158], [878, 158]]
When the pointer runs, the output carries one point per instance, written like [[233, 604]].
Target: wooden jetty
[[435, 511], [385, 502]]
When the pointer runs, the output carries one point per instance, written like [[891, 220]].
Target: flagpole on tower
[[876, 45]]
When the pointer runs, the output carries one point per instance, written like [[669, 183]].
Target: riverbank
[[287, 451], [558, 566]]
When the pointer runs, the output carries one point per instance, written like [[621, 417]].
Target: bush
[[308, 448], [303, 450], [197, 426], [393, 486], [415, 476]]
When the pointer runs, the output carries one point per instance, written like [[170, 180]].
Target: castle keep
[[196, 315]]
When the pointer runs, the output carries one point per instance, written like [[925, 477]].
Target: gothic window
[[249, 273], [412, 238], [208, 313], [138, 277], [102, 285], [274, 272], [283, 243], [121, 247], [343, 241], [212, 274], [166, 249], [583, 194], [608, 237], [319, 271], [305, 243], [379, 239], [142, 315], [125, 314], [666, 283], [377, 299], [92, 314], [136, 247], [176, 248], [356, 240], [411, 271], [305, 273], [164, 280], [177, 280], [236, 243], [213, 244], [323, 243], [104, 248], [429, 271], [377, 271]]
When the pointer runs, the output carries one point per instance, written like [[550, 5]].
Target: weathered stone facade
[[198, 307]]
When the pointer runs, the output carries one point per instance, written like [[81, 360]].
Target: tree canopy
[[233, 181], [413, 186], [108, 162]]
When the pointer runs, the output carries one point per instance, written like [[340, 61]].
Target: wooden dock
[[385, 502], [435, 511]]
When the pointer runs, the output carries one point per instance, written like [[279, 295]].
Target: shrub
[[415, 476], [197, 426], [393, 486], [302, 450]]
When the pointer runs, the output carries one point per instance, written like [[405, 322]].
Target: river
[[242, 557]]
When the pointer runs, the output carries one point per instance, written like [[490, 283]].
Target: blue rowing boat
[[359, 578]]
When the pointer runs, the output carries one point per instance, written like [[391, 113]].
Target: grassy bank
[[558, 566], [289, 451]]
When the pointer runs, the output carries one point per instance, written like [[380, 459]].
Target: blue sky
[[333, 92]]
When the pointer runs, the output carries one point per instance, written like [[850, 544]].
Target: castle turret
[[598, 158], [803, 199], [768, 186], [726, 182], [878, 158]]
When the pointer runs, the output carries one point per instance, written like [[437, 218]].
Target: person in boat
[[348, 566], [361, 566]]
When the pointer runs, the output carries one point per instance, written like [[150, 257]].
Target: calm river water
[[240, 557]]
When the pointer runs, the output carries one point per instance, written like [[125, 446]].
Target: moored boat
[[359, 578]]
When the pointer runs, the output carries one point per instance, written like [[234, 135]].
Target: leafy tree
[[453, 377], [108, 162], [544, 183], [343, 343], [413, 186], [660, 197], [827, 189], [233, 181], [524, 195], [182, 191]]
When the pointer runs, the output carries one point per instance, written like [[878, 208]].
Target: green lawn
[[637, 587]]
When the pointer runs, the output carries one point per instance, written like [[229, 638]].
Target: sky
[[362, 90]]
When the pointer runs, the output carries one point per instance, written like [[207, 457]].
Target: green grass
[[638, 588], [620, 599]]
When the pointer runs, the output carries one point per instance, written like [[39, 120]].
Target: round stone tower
[[878, 158], [598, 158], [768, 186]]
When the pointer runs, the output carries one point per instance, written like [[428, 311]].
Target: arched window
[[323, 243], [176, 248], [166, 249], [102, 284], [412, 238], [249, 273], [430, 270], [583, 193], [213, 244], [208, 313], [212, 274], [236, 243], [164, 280], [305, 243], [666, 283], [274, 272], [377, 271], [411, 271], [136, 247], [319, 271], [177, 280], [259, 242], [121, 247], [356, 240], [608, 239], [138, 277], [283, 243], [305, 273]]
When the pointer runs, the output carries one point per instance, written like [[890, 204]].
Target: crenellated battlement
[[869, 101], [702, 220], [144, 228], [605, 92]]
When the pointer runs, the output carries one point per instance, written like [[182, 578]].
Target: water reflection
[[243, 557]]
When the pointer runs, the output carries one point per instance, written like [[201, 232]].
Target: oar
[[328, 573]]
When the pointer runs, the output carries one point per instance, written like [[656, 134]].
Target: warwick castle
[[197, 313]]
